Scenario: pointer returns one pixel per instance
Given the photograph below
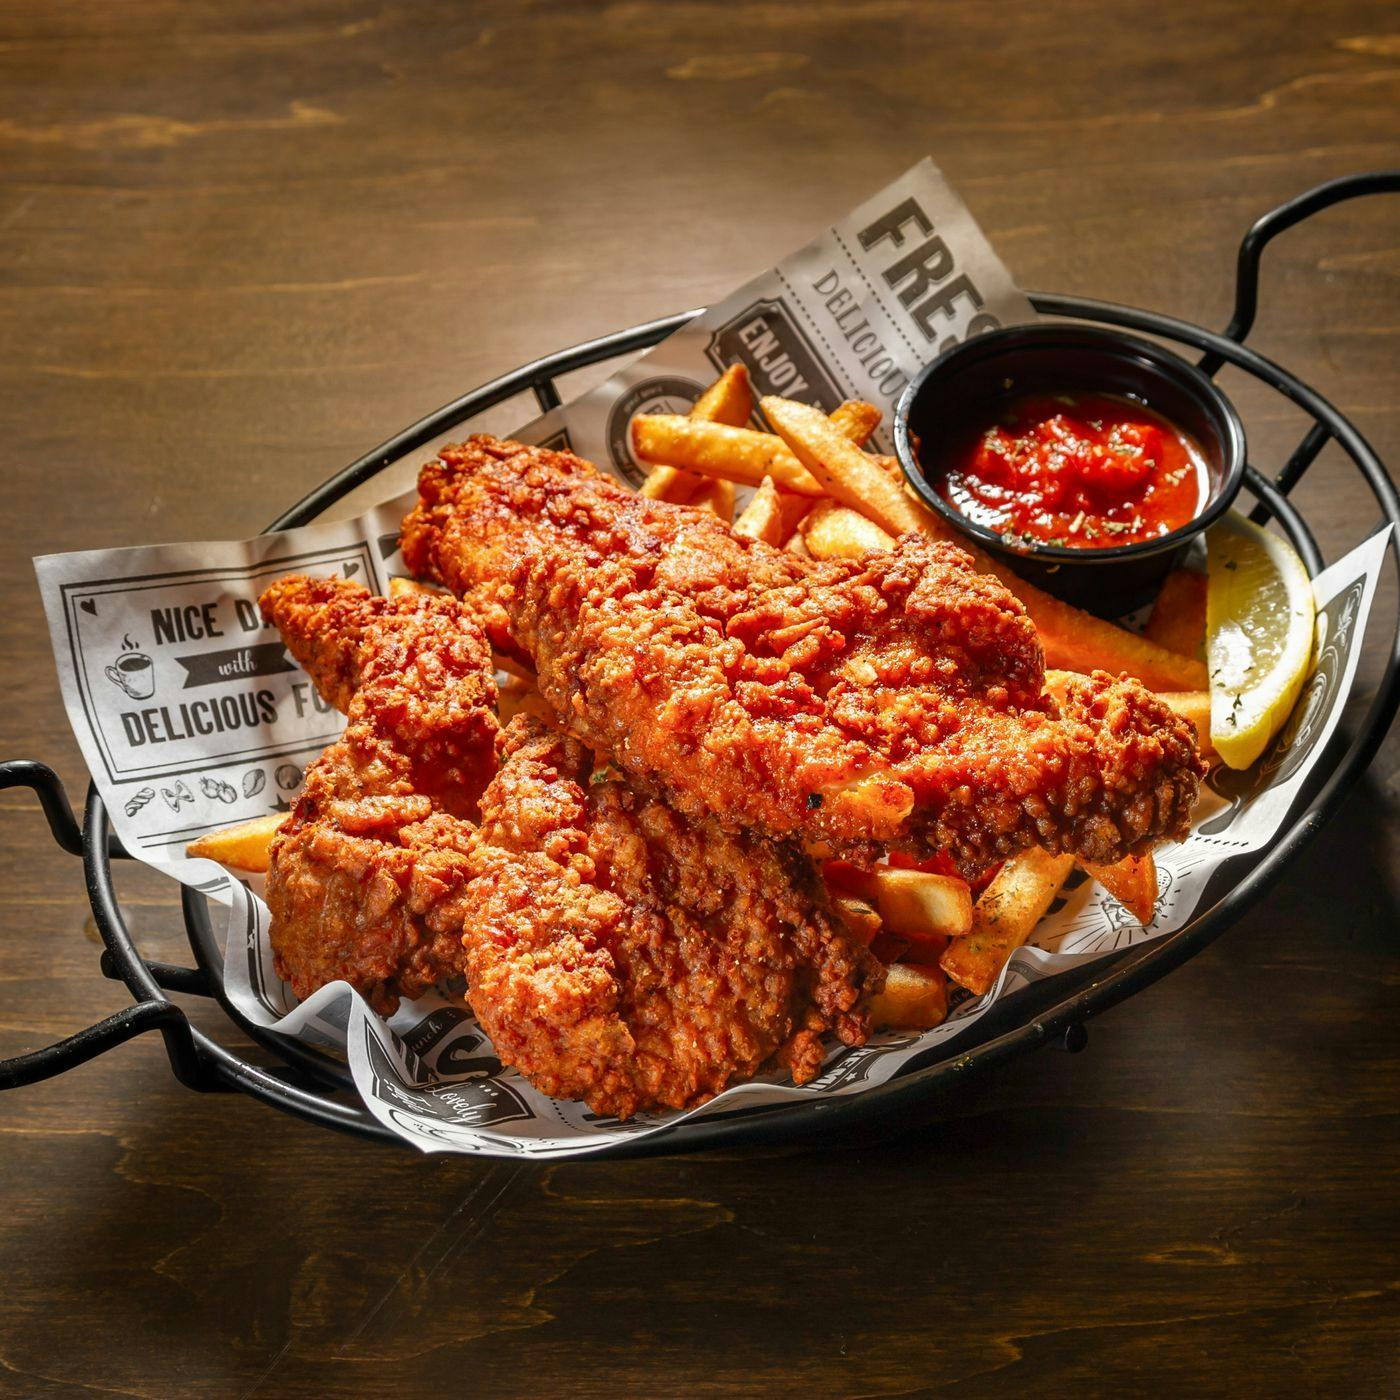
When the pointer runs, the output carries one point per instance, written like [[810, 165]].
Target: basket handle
[[124, 1025], [1277, 221]]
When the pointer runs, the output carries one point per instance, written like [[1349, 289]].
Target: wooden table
[[242, 243]]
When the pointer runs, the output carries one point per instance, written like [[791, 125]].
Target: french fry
[[728, 400], [1178, 620], [771, 515], [856, 420], [670, 484], [918, 904], [853, 477], [1004, 917], [913, 903], [798, 546], [1073, 640], [858, 916], [1078, 641], [1132, 882], [715, 449], [834, 531], [744, 457], [716, 496], [244, 846], [915, 998]]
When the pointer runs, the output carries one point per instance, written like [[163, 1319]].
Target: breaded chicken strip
[[615, 951], [365, 879], [626, 956], [895, 701]]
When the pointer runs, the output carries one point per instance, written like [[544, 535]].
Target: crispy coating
[[366, 879], [420, 670], [615, 951], [895, 701], [627, 956]]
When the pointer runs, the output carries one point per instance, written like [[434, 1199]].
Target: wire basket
[[316, 1086]]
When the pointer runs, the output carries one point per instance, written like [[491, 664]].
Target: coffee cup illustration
[[135, 673]]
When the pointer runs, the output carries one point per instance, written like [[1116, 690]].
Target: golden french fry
[[853, 477], [856, 420], [914, 998], [1132, 882], [858, 916], [716, 496], [1004, 917], [797, 545], [744, 456], [771, 515], [914, 902], [728, 400], [1073, 640], [759, 519], [244, 846], [670, 484], [407, 587], [1178, 620], [715, 449], [834, 531]]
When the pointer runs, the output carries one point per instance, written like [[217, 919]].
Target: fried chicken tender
[[615, 951], [627, 956], [366, 880], [891, 702]]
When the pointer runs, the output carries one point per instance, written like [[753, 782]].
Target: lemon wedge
[[1260, 621]]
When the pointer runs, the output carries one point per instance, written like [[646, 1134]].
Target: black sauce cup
[[961, 393]]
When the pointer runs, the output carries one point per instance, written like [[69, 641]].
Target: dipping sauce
[[1085, 471]]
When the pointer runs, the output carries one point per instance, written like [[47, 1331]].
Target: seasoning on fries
[[858, 916], [1005, 917]]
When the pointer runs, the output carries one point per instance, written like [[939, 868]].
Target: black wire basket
[[316, 1086]]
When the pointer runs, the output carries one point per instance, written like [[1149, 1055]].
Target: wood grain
[[239, 245]]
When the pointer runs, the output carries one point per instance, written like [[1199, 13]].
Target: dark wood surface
[[240, 244]]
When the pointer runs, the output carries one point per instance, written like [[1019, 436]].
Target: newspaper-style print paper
[[191, 715]]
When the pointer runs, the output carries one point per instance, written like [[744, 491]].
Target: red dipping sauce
[[1085, 471]]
